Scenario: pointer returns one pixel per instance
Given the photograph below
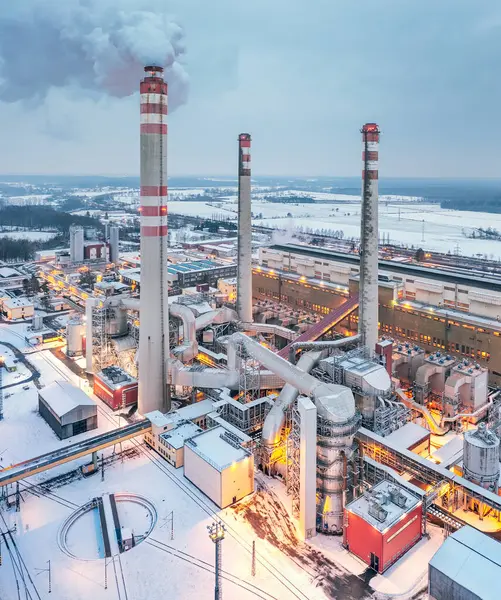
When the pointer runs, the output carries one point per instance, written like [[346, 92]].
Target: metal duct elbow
[[275, 419], [335, 400], [189, 349]]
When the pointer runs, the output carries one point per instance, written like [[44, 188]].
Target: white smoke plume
[[93, 44]]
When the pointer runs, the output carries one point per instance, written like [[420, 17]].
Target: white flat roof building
[[217, 464]]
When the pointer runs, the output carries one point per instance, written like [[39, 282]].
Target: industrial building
[[218, 465], [187, 274], [466, 567], [10, 278], [67, 409], [171, 443], [437, 309], [14, 308], [115, 387], [340, 404], [381, 525]]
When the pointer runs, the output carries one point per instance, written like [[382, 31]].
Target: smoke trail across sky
[[94, 44]]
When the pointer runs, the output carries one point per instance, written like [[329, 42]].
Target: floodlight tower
[[216, 534]]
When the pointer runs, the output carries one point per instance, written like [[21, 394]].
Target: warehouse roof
[[471, 559], [177, 437], [62, 397], [6, 272], [480, 281], [409, 435], [218, 447]]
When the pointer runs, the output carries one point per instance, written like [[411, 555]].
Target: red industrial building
[[115, 387], [96, 250], [381, 525]]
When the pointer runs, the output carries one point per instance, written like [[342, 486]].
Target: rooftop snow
[[472, 560], [360, 506], [408, 435], [63, 397], [177, 437], [212, 446], [6, 272]]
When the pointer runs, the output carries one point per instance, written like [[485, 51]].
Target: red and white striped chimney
[[154, 327], [368, 294], [244, 266]]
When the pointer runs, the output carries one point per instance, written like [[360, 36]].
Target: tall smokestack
[[368, 293], [244, 276], [154, 328]]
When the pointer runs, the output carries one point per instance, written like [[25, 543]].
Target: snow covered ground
[[28, 235], [404, 222], [161, 567]]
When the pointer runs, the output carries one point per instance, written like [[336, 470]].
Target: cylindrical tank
[[116, 321], [481, 457], [74, 337]]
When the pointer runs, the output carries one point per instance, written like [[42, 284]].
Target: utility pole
[[102, 467], [422, 232], [253, 567], [216, 534], [49, 573]]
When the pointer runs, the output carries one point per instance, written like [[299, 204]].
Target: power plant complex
[[336, 375]]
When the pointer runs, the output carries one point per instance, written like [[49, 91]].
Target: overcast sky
[[301, 77]]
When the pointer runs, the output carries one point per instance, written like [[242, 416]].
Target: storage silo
[[74, 337], [113, 240], [76, 244], [481, 457]]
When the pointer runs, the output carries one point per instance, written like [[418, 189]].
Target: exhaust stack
[[244, 274], [368, 309], [154, 329]]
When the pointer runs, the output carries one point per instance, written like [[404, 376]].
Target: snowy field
[[403, 222], [32, 236]]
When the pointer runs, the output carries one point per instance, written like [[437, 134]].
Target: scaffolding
[[101, 347], [249, 386], [293, 459], [390, 416], [248, 417]]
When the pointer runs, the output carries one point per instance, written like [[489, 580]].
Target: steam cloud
[[59, 43]]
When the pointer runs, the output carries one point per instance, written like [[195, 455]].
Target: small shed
[[67, 409]]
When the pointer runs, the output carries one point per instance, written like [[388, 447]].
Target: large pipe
[[244, 269], [335, 408], [189, 349], [154, 331], [275, 419], [369, 233], [328, 345]]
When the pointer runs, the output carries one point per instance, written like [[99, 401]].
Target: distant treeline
[[482, 204], [12, 250], [37, 218], [43, 218], [290, 199]]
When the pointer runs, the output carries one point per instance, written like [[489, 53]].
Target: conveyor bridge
[[63, 455]]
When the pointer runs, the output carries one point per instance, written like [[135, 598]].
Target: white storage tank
[[481, 457], [74, 337]]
